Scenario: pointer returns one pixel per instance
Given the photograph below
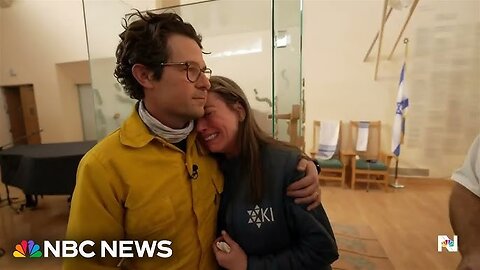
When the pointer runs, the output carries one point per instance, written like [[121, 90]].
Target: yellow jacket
[[133, 185]]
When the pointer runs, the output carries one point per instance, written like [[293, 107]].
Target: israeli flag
[[400, 112]]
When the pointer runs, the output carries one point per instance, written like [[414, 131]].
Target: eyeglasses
[[193, 71]]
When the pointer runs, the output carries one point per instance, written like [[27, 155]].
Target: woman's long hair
[[250, 136]]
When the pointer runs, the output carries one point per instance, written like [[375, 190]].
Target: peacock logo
[[27, 249]]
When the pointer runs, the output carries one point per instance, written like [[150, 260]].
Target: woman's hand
[[235, 260]]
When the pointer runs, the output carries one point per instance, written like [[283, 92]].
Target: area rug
[[359, 249]]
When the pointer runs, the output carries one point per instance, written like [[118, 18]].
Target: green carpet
[[359, 248]]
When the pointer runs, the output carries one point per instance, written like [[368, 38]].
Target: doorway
[[22, 113], [87, 110]]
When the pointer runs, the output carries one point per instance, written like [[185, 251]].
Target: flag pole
[[397, 184]]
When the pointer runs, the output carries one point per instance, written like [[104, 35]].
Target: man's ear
[[240, 110], [143, 75]]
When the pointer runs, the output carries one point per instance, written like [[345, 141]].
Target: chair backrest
[[316, 132], [374, 139]]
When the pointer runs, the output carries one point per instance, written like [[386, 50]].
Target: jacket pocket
[[152, 221]]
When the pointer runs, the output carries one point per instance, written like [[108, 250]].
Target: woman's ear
[[143, 75], [240, 110]]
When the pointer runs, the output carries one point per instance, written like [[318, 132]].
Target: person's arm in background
[[96, 213], [465, 220], [307, 189], [465, 208]]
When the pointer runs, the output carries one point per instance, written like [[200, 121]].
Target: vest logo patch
[[260, 215]]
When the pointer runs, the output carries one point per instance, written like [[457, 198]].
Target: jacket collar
[[134, 133]]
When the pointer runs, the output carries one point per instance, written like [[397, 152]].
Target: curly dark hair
[[144, 41]]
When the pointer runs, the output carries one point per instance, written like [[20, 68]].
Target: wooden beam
[[376, 37], [385, 2], [412, 9]]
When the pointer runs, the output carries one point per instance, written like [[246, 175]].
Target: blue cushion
[[332, 163], [364, 165]]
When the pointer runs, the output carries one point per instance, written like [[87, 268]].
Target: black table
[[43, 169]]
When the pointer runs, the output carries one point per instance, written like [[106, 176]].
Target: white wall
[[340, 86], [104, 23], [35, 36], [240, 51], [250, 70], [229, 26], [238, 35]]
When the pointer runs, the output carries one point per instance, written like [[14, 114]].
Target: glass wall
[[286, 66], [238, 35]]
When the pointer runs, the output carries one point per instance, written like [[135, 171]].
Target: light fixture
[[282, 39]]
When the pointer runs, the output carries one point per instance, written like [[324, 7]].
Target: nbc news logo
[[445, 242], [114, 249], [27, 249]]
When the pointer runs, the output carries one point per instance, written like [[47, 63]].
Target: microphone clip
[[194, 172]]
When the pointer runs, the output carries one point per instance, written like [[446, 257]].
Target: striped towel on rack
[[328, 139], [362, 136]]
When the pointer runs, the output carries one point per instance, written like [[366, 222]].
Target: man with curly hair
[[150, 179]]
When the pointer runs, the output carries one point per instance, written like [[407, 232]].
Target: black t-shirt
[[182, 145]]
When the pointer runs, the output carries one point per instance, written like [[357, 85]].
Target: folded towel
[[327, 139], [362, 136]]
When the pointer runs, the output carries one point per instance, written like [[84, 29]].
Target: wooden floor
[[406, 222], [47, 222]]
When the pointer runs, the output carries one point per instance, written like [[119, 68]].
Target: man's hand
[[307, 189], [236, 259]]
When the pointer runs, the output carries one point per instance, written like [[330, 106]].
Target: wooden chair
[[333, 169], [370, 166]]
